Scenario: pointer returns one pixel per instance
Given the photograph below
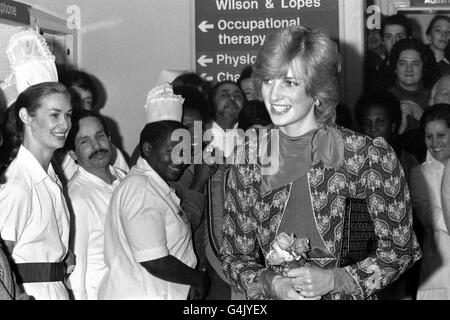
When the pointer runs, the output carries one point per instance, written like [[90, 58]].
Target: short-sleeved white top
[[89, 196], [144, 223], [34, 215]]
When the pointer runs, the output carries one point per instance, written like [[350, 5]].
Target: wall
[[126, 44]]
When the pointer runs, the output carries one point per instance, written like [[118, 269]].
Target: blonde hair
[[312, 56]]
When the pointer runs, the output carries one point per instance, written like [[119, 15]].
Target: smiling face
[[376, 123], [160, 159], [439, 35], [437, 140], [92, 145], [288, 104], [51, 122], [409, 69]]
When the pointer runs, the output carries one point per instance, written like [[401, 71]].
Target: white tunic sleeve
[[15, 209], [445, 195], [143, 221], [78, 277]]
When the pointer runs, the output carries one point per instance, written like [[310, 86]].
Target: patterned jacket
[[369, 170]]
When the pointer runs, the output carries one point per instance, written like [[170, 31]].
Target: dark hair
[[400, 20], [30, 99], [246, 73], [253, 112], [430, 69], [216, 88], [382, 99], [80, 79], [156, 133], [76, 118], [436, 112], [195, 101], [193, 80], [434, 20]]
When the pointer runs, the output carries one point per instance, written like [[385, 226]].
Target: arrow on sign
[[206, 77], [204, 26], [203, 60]]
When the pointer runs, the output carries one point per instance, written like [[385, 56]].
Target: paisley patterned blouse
[[369, 170]]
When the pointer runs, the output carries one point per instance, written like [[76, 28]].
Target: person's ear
[[24, 116], [147, 149], [73, 155]]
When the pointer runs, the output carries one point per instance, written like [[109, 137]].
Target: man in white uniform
[[148, 239], [90, 191]]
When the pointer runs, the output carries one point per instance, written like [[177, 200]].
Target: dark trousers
[[219, 290]]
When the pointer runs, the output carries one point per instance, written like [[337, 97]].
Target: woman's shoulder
[[355, 142], [16, 178]]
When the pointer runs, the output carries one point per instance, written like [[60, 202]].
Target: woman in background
[[415, 71], [425, 188], [438, 33]]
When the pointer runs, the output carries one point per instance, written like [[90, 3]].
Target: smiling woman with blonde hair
[[321, 165], [34, 218]]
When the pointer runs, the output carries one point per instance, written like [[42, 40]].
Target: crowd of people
[[197, 211]]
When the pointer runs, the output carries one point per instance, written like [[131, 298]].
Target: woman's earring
[[317, 103]]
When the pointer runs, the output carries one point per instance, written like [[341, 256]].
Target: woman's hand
[[312, 282], [411, 108], [283, 289]]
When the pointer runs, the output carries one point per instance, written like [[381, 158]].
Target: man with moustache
[[90, 191], [227, 100]]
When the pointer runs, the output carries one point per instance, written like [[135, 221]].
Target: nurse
[[34, 219]]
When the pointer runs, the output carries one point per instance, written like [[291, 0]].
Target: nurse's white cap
[[162, 104], [31, 63]]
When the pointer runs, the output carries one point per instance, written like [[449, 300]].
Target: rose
[[301, 246], [287, 251], [284, 241], [278, 256], [274, 258]]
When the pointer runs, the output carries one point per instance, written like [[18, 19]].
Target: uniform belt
[[40, 272]]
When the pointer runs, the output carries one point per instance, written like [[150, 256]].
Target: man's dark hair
[[193, 80], [246, 73], [382, 99], [80, 79], [195, 101], [400, 20], [436, 112], [76, 118], [253, 112], [156, 133]]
